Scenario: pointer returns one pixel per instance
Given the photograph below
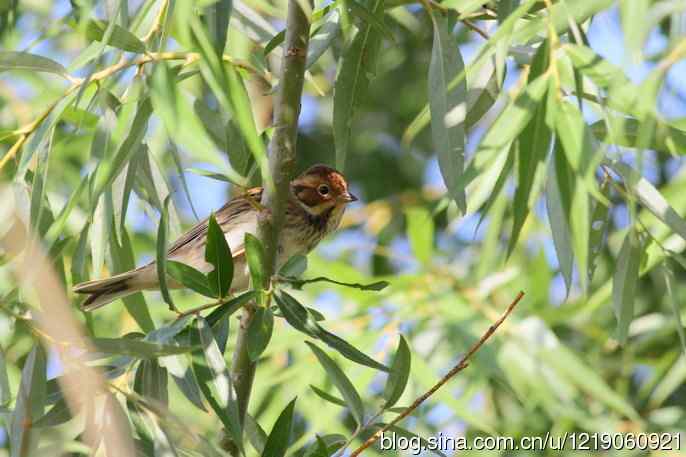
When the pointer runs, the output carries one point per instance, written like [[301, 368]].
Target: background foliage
[[497, 146]]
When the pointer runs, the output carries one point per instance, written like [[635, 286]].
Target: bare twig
[[456, 369]]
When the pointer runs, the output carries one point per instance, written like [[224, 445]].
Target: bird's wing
[[232, 219]]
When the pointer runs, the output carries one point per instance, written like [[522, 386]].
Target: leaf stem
[[456, 369]]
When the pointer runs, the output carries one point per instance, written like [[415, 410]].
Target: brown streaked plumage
[[316, 204]]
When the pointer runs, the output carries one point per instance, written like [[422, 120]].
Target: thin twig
[[476, 28], [298, 283], [456, 369]]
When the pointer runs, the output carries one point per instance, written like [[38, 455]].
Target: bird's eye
[[323, 189]]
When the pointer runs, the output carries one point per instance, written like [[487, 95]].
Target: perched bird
[[318, 198]]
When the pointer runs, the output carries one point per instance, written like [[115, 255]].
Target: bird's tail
[[103, 291]]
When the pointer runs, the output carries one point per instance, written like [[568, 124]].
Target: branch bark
[[282, 160]]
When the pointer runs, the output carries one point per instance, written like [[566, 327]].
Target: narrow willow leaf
[[256, 435], [668, 276], [190, 277], [218, 254], [575, 137], [533, 147], [294, 267], [626, 131], [254, 253], [29, 406], [328, 397], [278, 440], [600, 219], [217, 18], [650, 197], [634, 25], [274, 42], [420, 232], [342, 383], [96, 30], [448, 106], [322, 39], [137, 348], [355, 71], [11, 60], [5, 392], [346, 349], [215, 382], [400, 372], [625, 283], [260, 332], [151, 380], [161, 266], [295, 314], [230, 307], [368, 16], [558, 202]]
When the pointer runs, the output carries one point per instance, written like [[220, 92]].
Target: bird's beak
[[348, 197]]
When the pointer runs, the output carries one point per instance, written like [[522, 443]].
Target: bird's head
[[321, 188]]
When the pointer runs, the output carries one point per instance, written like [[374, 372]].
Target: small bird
[[318, 198]]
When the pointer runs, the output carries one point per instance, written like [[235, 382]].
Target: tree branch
[[456, 369], [282, 161]]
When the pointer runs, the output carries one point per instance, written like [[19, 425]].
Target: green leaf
[[218, 254], [650, 197], [278, 440], [375, 20], [575, 137], [352, 82], [294, 267], [190, 277], [137, 348], [217, 18], [625, 283], [420, 232], [342, 383], [448, 107], [328, 397], [209, 174], [5, 393], [301, 319], [627, 131], [256, 435], [255, 255], [150, 381], [600, 219], [274, 42], [216, 383], [230, 307], [161, 265], [400, 372], [558, 202], [57, 415], [668, 275], [119, 36], [11, 60], [29, 406], [322, 38], [260, 332]]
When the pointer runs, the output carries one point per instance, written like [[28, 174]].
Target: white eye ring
[[323, 189]]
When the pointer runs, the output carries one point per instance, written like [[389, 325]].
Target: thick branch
[[277, 191]]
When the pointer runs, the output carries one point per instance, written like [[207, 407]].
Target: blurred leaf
[[209, 174], [600, 218], [368, 16], [668, 275], [5, 392], [323, 38], [558, 202], [325, 446], [328, 397], [23, 439], [625, 282], [259, 332], [650, 197], [342, 383], [96, 30], [355, 72], [215, 382], [217, 18], [190, 278], [57, 415], [151, 381], [11, 60], [448, 106], [256, 435], [161, 265], [137, 348], [278, 440], [400, 372], [274, 42], [294, 267], [254, 253], [218, 254], [624, 131], [420, 232]]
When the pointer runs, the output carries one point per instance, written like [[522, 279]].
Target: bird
[[318, 198]]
